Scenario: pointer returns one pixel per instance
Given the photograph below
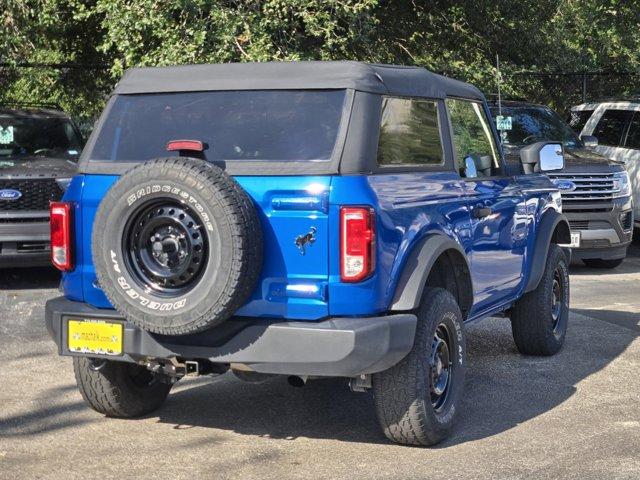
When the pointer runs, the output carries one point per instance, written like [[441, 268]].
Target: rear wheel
[[417, 400], [539, 319], [119, 389], [602, 263]]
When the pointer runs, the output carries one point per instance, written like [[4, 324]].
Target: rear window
[[611, 127], [260, 125], [578, 119]]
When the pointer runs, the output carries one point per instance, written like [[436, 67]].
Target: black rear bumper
[[336, 347]]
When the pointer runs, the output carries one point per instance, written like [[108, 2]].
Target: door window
[[409, 133], [633, 137], [611, 127], [472, 138]]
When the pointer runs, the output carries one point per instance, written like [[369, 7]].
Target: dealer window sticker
[[504, 123], [6, 134]]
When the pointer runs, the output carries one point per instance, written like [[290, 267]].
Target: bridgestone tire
[[535, 330], [226, 224], [119, 389], [403, 393]]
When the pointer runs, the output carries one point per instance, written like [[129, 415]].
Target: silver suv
[[615, 124]]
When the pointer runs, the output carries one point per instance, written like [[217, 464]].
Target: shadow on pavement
[[504, 389], [629, 320], [29, 278]]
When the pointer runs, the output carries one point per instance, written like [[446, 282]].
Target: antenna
[[498, 81]]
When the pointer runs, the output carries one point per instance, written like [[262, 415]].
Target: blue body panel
[[409, 206]]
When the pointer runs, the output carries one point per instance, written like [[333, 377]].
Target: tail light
[[61, 235], [357, 243]]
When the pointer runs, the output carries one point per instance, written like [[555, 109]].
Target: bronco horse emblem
[[303, 240]]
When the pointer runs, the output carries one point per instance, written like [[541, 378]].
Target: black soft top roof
[[365, 77]]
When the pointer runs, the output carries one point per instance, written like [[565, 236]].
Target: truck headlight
[[622, 184]]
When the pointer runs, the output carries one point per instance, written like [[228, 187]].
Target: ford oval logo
[[565, 185], [9, 194]]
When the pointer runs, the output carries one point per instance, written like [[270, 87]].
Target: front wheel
[[417, 400], [539, 319], [119, 389]]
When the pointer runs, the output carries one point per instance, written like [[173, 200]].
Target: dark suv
[[596, 193], [39, 148]]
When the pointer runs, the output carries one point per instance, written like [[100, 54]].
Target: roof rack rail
[[47, 105]]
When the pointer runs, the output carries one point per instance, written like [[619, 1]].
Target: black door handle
[[481, 212]]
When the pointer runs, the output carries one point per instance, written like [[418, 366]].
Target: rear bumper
[[336, 347]]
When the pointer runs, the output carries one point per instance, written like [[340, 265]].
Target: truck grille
[[579, 224], [591, 188], [36, 194]]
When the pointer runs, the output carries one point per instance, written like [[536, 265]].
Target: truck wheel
[[539, 319], [417, 400], [119, 389], [602, 263], [177, 246]]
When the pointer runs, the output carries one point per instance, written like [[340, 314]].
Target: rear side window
[[258, 125], [409, 133], [578, 119], [611, 127], [633, 137]]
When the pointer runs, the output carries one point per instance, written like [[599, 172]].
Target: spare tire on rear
[[177, 246]]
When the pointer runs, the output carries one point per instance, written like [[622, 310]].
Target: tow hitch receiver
[[174, 369]]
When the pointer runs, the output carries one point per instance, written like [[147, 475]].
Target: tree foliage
[[460, 38]]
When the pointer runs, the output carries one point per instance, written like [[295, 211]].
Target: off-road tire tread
[[398, 402], [107, 392], [529, 317]]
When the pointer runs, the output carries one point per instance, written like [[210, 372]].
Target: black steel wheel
[[164, 247], [440, 367], [557, 300]]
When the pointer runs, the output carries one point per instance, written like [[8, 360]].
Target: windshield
[[535, 124], [267, 125], [23, 136]]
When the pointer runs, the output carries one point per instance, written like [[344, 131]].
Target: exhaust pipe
[[296, 381]]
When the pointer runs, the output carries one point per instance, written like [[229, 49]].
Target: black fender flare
[[416, 270], [553, 228]]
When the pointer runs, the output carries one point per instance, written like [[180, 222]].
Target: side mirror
[[542, 157], [589, 141], [470, 170]]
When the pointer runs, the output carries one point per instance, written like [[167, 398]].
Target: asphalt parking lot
[[575, 415]]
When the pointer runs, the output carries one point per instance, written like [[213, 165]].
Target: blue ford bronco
[[307, 219]]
